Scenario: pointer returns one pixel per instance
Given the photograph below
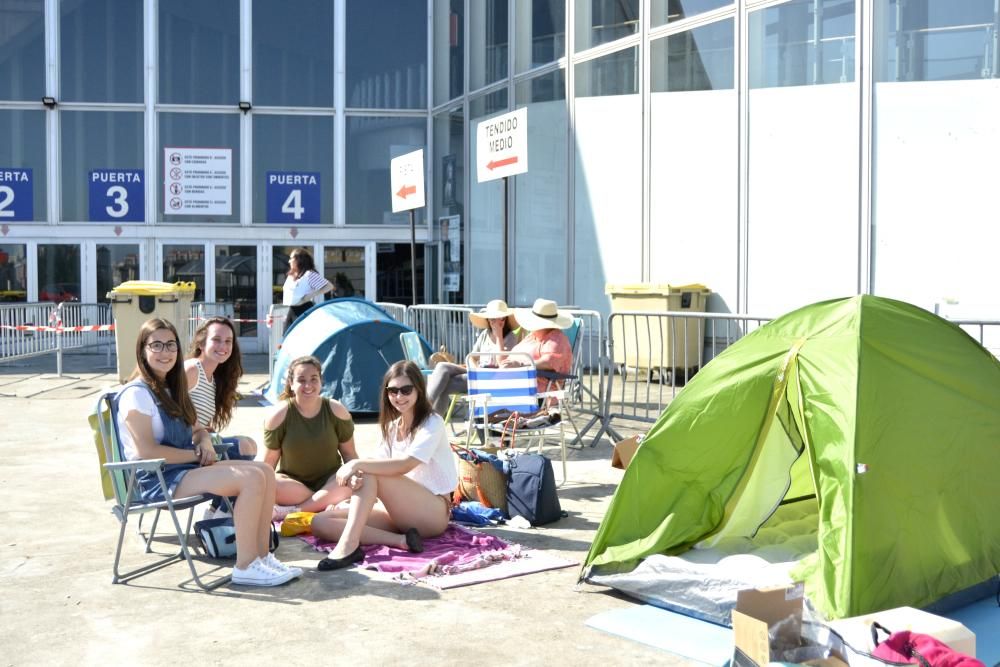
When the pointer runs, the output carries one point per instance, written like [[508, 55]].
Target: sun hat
[[495, 308], [544, 314]]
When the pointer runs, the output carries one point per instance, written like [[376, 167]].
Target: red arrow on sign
[[501, 163], [406, 190]]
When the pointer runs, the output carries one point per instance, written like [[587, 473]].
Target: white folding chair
[[511, 390]]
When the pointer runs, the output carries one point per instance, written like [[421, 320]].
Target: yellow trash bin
[[135, 301], [666, 345]]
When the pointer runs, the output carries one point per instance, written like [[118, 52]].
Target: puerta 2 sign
[[117, 195], [502, 146], [16, 195], [293, 196]]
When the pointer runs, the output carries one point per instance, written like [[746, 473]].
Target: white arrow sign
[[502, 146], [406, 180]]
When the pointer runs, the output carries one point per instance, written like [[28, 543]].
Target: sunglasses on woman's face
[[404, 390]]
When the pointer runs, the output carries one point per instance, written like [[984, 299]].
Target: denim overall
[[176, 433]]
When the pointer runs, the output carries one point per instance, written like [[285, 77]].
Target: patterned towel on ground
[[456, 550]]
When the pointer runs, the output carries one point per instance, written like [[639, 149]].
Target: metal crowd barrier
[[586, 395], [652, 354], [986, 332], [396, 310], [444, 325], [276, 331], [32, 329]]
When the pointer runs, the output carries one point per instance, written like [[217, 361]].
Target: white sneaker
[[272, 562], [222, 513], [281, 511], [208, 513], [259, 574]]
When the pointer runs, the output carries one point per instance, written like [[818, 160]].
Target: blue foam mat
[[685, 636], [983, 618]]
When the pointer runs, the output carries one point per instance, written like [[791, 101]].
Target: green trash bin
[[135, 301], [646, 344]]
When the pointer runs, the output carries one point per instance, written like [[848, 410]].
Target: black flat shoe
[[328, 563], [414, 542]]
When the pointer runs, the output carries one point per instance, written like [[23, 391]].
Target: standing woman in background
[[302, 285]]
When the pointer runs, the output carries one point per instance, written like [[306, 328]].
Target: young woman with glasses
[[156, 420], [412, 477]]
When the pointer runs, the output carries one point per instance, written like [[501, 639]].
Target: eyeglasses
[[158, 346], [405, 390]]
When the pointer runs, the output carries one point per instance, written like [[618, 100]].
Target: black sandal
[[328, 563], [414, 542]]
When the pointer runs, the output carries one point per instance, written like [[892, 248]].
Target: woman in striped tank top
[[213, 368]]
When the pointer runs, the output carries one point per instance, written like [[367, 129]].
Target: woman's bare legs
[[407, 504], [248, 481], [293, 492]]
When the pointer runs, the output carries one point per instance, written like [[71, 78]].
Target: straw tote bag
[[479, 480]]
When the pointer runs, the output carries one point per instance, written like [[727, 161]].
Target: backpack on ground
[[531, 489]]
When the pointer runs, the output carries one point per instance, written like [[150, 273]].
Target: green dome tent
[[885, 414]]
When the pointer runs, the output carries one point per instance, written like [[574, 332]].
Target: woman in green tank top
[[308, 438]]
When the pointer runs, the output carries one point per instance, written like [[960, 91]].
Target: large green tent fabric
[[889, 414]]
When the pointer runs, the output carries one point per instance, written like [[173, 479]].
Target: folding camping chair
[[118, 478], [515, 389], [413, 350], [570, 383]]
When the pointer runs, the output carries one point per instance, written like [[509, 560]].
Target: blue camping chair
[[413, 350], [515, 389], [119, 481]]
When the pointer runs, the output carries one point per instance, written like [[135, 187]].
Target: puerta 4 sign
[[502, 146], [293, 196]]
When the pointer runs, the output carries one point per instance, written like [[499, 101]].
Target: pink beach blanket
[[458, 549]]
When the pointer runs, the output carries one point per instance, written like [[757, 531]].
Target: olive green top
[[310, 448]]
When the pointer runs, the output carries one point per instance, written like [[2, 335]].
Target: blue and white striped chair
[[515, 389]]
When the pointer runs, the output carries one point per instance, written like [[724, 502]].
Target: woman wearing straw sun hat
[[498, 335], [546, 343]]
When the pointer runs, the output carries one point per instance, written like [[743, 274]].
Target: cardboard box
[[856, 630], [624, 451], [757, 612]]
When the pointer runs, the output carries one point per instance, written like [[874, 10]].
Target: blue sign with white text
[[293, 196], [16, 195], [117, 195]]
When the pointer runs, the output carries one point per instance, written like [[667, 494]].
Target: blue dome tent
[[355, 341]]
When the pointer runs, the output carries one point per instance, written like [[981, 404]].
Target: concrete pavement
[[59, 606]]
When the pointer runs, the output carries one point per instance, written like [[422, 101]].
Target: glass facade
[[802, 43], [59, 277], [665, 144], [602, 21], [540, 29], [386, 60], [192, 34], [22, 192], [372, 142], [100, 54], [670, 11], [102, 166], [292, 45], [13, 273], [116, 263], [292, 169], [22, 50]]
